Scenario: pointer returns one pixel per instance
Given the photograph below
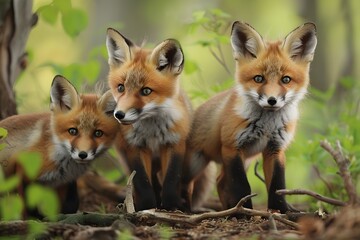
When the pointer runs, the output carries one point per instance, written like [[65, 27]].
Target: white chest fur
[[66, 170], [153, 131], [266, 128]]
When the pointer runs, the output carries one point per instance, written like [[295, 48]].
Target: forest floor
[[343, 225], [220, 228]]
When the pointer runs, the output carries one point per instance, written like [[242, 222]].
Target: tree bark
[[319, 77], [16, 21]]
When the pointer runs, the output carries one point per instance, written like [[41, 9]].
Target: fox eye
[[121, 88], [146, 91], [98, 133], [259, 79], [73, 131], [286, 79]]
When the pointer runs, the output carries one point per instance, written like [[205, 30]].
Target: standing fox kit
[[79, 128], [258, 115], [154, 114]]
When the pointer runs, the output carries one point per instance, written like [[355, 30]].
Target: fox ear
[[168, 56], [301, 42], [118, 47], [63, 94], [245, 41], [107, 103]]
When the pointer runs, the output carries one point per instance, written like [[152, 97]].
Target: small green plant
[[214, 27], [332, 120], [36, 196], [73, 20]]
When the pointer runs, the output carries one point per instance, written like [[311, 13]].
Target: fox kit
[[154, 114], [258, 115], [79, 129]]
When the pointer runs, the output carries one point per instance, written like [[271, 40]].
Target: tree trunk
[[16, 21], [319, 77]]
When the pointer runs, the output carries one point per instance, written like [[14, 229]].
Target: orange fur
[[258, 115], [154, 125], [65, 156]]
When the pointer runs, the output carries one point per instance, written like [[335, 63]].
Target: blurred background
[[331, 110]]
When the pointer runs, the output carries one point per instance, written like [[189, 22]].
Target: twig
[[313, 194], [272, 224], [129, 200], [256, 172], [220, 61], [174, 218], [343, 164]]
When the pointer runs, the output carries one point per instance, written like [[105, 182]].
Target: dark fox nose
[[272, 101], [82, 155], [119, 115]]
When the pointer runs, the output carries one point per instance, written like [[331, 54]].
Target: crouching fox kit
[[79, 128], [258, 115], [154, 115]]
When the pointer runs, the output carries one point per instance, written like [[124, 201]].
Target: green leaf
[[91, 71], [11, 207], [63, 5], [99, 51], [44, 199], [347, 82], [219, 13], [49, 13], [74, 21], [31, 162], [3, 133], [9, 184], [199, 15], [35, 228], [190, 67]]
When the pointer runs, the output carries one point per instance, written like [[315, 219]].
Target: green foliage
[[213, 26], [9, 184], [215, 22], [79, 73], [73, 20], [44, 199], [31, 163], [165, 232], [333, 118], [37, 196], [3, 134], [11, 207]]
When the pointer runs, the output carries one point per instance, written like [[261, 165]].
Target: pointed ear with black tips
[[63, 94], [245, 41], [301, 43], [118, 47], [107, 103], [168, 57]]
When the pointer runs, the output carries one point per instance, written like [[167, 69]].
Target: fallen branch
[[64, 231], [74, 223], [313, 194], [173, 218], [343, 164]]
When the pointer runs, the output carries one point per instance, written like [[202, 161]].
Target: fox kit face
[[143, 82], [83, 125], [272, 75]]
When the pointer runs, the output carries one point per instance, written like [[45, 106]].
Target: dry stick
[[129, 200], [180, 218], [310, 193], [343, 164]]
